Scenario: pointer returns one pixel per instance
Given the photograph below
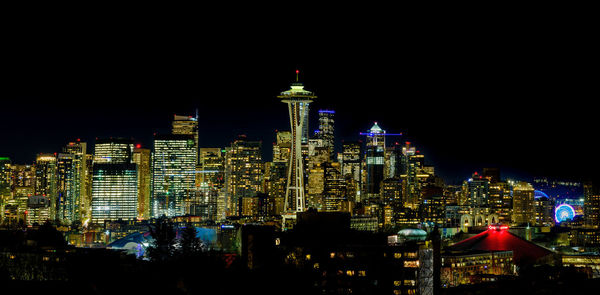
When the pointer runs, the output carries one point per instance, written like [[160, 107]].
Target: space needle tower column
[[297, 100]]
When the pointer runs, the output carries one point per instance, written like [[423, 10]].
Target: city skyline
[[500, 94], [455, 161], [316, 152]]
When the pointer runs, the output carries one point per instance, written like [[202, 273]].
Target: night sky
[[498, 93]]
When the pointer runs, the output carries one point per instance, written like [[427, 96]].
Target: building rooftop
[[495, 239]]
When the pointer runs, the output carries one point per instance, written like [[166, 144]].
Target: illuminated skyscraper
[[114, 181], [500, 201], [186, 125], [283, 146], [375, 152], [351, 155], [243, 171], [114, 192], [479, 191], [326, 128], [276, 172], [523, 204], [4, 184], [350, 159], [297, 100], [45, 178], [210, 183], [591, 206], [174, 174], [113, 151], [544, 211], [334, 188], [143, 159], [72, 170], [412, 165]]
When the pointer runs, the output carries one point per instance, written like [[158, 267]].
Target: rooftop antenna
[[297, 72]]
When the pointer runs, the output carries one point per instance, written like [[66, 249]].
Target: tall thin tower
[[297, 100]]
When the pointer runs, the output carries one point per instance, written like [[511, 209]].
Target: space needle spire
[[297, 99]]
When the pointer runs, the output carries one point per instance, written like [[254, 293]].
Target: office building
[[143, 159], [243, 171], [173, 174], [591, 205], [523, 204], [326, 129], [374, 158], [114, 181], [72, 190]]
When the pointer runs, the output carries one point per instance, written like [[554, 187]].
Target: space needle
[[297, 100]]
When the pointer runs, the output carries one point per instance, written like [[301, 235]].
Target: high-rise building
[[5, 182], [500, 201], [72, 169], [391, 193], [392, 161], [282, 147], [297, 100], [479, 191], [186, 125], [591, 206], [412, 164], [350, 159], [23, 175], [544, 211], [212, 167], [243, 171], [114, 181], [326, 129], [210, 182], [334, 189], [114, 192], [113, 151], [5, 177], [523, 204], [38, 210], [375, 155], [143, 159], [173, 173], [45, 179]]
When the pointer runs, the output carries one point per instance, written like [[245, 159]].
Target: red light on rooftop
[[79, 139], [408, 143], [498, 227], [138, 146]]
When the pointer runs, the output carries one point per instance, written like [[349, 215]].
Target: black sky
[[512, 92]]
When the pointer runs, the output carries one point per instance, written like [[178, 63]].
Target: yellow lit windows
[[411, 263]]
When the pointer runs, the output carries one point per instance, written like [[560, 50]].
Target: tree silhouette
[[190, 245], [164, 235]]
